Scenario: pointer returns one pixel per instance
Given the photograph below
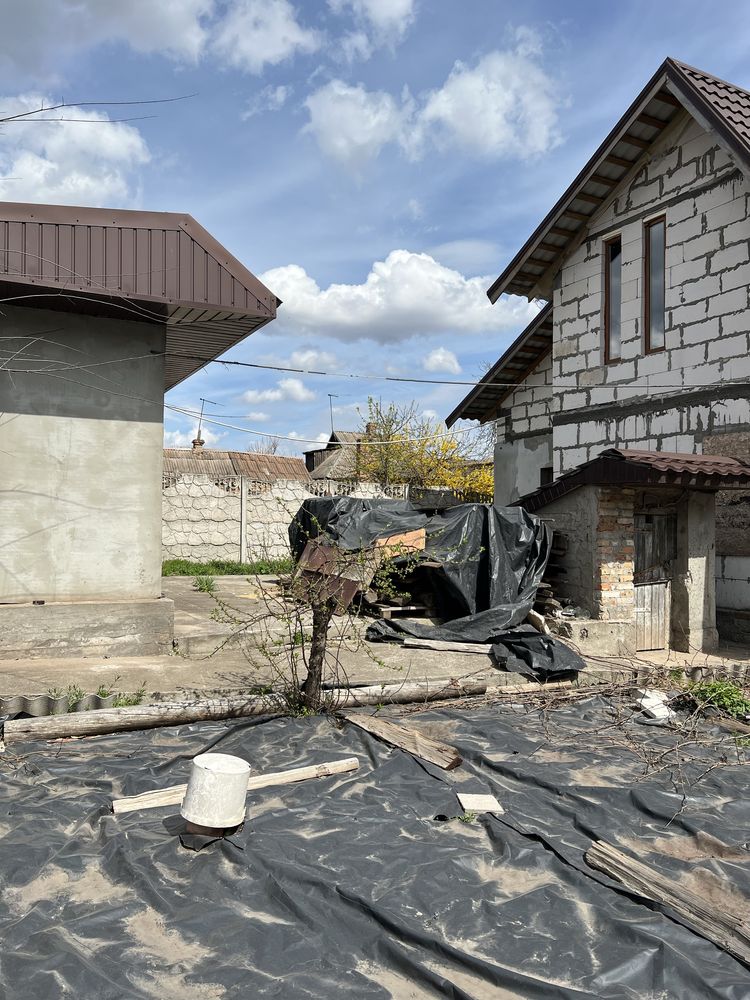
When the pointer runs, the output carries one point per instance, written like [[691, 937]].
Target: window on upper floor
[[654, 242], [612, 299], [546, 475]]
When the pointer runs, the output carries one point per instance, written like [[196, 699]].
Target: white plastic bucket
[[216, 791]]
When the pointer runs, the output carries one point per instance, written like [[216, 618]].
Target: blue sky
[[375, 162]]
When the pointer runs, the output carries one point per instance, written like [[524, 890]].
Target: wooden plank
[[722, 926], [174, 794], [407, 739], [388, 612], [412, 642], [479, 803]]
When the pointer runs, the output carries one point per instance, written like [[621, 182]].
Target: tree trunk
[[322, 614]]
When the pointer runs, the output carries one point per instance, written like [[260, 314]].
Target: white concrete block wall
[[201, 516], [692, 181], [527, 409]]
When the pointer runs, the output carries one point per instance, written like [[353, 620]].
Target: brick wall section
[[689, 178], [614, 597]]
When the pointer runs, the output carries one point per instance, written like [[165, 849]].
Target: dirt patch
[[698, 847], [509, 880], [91, 886], [172, 986], [167, 946]]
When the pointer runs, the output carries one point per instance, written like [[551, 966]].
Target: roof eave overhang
[[493, 375], [667, 81]]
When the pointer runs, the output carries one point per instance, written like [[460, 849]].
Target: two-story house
[[642, 345]]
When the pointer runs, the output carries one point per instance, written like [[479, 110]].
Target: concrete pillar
[[694, 585]]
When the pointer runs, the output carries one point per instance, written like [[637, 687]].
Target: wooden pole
[[116, 720], [174, 794]]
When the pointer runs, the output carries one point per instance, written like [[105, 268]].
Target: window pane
[[656, 286], [614, 268]]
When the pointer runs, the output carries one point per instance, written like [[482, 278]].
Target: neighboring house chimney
[[198, 444]]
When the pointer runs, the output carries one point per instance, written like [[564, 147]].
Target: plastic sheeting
[[484, 567], [349, 886]]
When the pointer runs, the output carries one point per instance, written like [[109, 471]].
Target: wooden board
[[412, 642], [174, 794], [408, 739], [387, 611], [479, 803], [720, 925]]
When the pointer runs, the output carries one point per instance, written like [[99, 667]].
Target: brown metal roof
[[158, 267], [224, 464], [630, 467], [524, 354], [674, 87]]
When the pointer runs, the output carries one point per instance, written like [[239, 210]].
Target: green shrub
[[205, 584], [726, 696]]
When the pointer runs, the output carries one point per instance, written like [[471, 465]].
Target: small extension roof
[[630, 467], [158, 267], [524, 354], [675, 86]]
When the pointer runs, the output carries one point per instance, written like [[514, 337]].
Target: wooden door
[[655, 550], [651, 615]]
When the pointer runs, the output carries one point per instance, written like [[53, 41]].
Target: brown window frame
[[608, 359], [647, 284]]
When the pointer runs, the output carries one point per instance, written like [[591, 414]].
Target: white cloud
[[430, 414], [406, 295], [351, 124], [257, 33], [258, 417], [269, 99], [311, 358], [387, 21], [74, 163], [442, 360], [184, 439], [414, 209], [356, 46], [506, 106], [287, 389], [34, 29]]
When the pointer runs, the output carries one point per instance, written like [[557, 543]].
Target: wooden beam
[[549, 247], [595, 199], [601, 179], [653, 122], [619, 161], [174, 794], [565, 233], [666, 98], [576, 215], [410, 740], [410, 642], [633, 140], [717, 923]]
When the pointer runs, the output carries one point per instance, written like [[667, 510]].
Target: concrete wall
[[81, 457], [637, 401], [518, 466], [733, 582], [201, 517], [576, 517]]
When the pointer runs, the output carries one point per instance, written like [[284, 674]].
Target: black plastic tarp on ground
[[349, 886]]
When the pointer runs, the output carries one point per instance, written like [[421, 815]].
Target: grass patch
[[204, 584], [226, 567]]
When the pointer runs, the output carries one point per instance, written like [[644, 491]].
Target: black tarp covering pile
[[486, 565], [348, 886]]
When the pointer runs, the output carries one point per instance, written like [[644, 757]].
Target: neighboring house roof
[[630, 467], [675, 86], [222, 464], [524, 354], [159, 267], [339, 462]]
